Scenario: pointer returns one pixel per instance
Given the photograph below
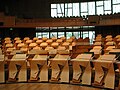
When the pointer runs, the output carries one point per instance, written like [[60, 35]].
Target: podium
[[38, 65], [60, 68], [2, 72], [17, 68], [82, 70], [104, 71], [117, 53]]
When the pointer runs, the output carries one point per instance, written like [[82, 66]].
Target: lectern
[[38, 65], [60, 68], [104, 71], [17, 68], [82, 69]]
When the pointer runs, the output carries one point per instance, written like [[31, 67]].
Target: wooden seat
[[49, 41], [97, 50], [39, 42], [81, 69], [43, 45], [16, 38], [44, 39], [104, 71]]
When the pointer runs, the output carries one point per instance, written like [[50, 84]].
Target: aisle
[[44, 86]]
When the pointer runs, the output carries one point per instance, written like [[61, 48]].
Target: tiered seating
[[38, 56]]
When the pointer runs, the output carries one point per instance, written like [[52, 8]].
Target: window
[[116, 1], [91, 7], [76, 10], [60, 10], [53, 34], [61, 34], [68, 35], [107, 7], [68, 9], [116, 8]]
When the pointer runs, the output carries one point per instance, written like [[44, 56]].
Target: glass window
[[53, 12], [76, 9], [85, 34], [53, 34], [53, 6], [116, 1], [84, 7], [100, 10], [91, 36], [76, 34], [60, 9], [107, 5], [84, 14], [68, 9], [61, 34], [116, 8], [91, 7], [99, 3], [107, 12], [68, 35], [45, 34], [39, 34]]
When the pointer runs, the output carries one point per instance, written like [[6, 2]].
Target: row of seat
[[44, 43], [38, 61], [104, 45]]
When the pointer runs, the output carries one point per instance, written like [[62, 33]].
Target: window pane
[[68, 12], [53, 34], [76, 9], [99, 3], [116, 8], [100, 10], [68, 34], [76, 34], [107, 5], [91, 36], [116, 1], [60, 8], [107, 12], [84, 14], [53, 12], [60, 34], [39, 34], [53, 6], [68, 5], [85, 34], [84, 7], [45, 34], [91, 6]]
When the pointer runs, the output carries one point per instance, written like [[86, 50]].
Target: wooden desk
[[17, 68], [104, 71], [38, 68], [2, 72], [82, 69], [60, 68]]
